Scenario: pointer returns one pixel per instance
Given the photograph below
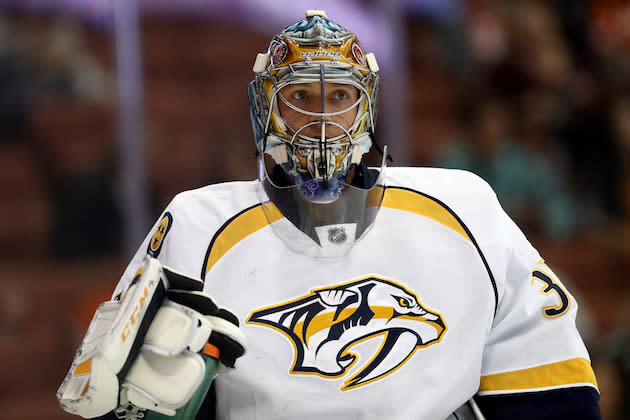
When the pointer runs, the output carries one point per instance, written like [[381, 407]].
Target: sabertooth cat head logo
[[328, 326]]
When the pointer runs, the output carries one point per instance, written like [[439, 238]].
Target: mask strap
[[386, 156]]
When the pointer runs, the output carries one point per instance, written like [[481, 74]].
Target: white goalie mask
[[313, 107]]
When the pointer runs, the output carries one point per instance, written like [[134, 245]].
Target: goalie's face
[[332, 109]]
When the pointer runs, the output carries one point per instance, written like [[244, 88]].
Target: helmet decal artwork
[[315, 142]]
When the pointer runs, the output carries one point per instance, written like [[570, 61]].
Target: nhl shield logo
[[337, 235]]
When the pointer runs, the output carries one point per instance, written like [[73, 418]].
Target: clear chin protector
[[324, 227]]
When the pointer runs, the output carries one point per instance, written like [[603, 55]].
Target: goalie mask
[[313, 106]]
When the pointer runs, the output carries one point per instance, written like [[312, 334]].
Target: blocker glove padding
[[225, 335], [145, 349]]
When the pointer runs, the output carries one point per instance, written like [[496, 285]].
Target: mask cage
[[272, 130]]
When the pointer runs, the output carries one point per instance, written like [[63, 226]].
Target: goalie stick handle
[[476, 410], [190, 410]]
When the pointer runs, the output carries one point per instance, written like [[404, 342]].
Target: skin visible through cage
[[308, 97]]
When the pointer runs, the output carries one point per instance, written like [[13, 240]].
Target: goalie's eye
[[299, 95], [340, 95]]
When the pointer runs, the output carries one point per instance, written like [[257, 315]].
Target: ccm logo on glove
[[134, 316]]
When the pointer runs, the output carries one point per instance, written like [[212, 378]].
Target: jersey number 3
[[552, 286]]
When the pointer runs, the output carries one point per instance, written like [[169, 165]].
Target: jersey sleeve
[[155, 244], [533, 344]]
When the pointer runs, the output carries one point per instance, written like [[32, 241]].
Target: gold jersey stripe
[[413, 202], [238, 229], [572, 371]]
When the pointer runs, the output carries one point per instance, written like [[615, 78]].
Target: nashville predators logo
[[155, 245], [365, 329]]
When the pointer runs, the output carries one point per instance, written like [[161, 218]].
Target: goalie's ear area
[[199, 301], [177, 280]]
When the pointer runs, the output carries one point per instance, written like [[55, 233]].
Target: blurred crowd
[[540, 108], [532, 95], [56, 136]]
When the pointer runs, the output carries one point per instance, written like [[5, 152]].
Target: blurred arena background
[[109, 108]]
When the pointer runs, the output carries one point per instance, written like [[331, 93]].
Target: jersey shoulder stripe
[[406, 199], [237, 228], [425, 205]]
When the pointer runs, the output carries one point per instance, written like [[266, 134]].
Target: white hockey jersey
[[441, 299]]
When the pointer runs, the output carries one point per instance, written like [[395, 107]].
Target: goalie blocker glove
[[145, 349]]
